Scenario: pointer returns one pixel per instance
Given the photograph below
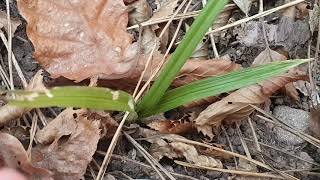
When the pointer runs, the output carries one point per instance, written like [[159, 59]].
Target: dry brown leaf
[[160, 148], [171, 126], [72, 147], [244, 5], [9, 112], [15, 22], [13, 155], [195, 70], [192, 155], [236, 106], [80, 39], [268, 56]]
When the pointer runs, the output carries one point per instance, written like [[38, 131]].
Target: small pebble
[[293, 117]]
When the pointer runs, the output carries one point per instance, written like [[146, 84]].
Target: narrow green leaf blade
[[219, 84], [75, 96], [182, 53]]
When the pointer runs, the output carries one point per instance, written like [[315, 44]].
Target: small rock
[[294, 117], [214, 174], [302, 164]]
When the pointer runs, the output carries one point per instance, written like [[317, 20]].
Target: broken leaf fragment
[[13, 155], [67, 144], [160, 148], [80, 39]]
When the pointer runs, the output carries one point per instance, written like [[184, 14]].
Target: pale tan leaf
[[15, 22], [267, 56], [244, 5], [191, 154], [171, 126], [72, 147], [80, 39], [160, 148], [9, 112], [13, 155], [235, 107]]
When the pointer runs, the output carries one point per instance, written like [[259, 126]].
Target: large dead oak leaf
[[80, 39]]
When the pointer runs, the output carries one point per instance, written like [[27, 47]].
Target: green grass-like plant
[[158, 99]]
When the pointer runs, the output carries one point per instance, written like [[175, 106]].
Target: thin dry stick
[[177, 17], [32, 134], [257, 16], [243, 143], [312, 140], [15, 63], [4, 77], [154, 167], [317, 51], [92, 172], [135, 162], [175, 138], [237, 172], [256, 142], [117, 133], [163, 59], [112, 145], [230, 144], [214, 47], [311, 78], [175, 33], [148, 157], [10, 45], [282, 151]]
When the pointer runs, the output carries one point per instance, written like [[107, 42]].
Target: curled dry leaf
[[269, 55], [195, 70], [13, 155], [236, 106], [68, 144], [80, 39], [9, 112], [171, 126], [160, 148]]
